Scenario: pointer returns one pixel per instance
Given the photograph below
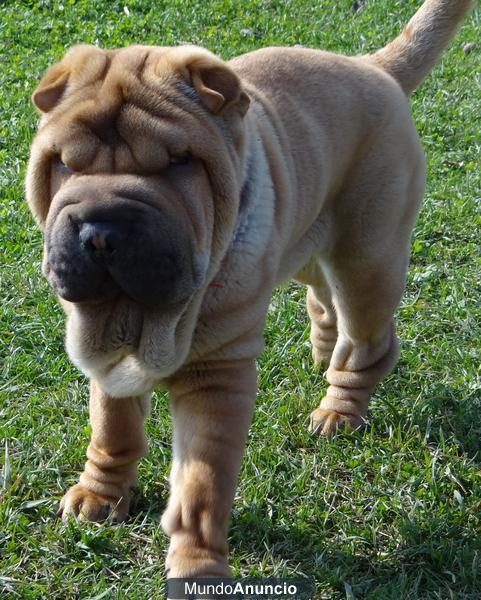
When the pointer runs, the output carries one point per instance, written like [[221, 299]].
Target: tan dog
[[175, 191]]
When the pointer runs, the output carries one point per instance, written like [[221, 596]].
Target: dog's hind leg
[[323, 323], [321, 312], [365, 297], [366, 289], [365, 268]]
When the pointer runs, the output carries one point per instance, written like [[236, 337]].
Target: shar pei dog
[[175, 191]]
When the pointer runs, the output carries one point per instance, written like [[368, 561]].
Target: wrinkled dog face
[[134, 179], [107, 236]]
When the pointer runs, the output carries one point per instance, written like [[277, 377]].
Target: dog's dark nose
[[102, 237]]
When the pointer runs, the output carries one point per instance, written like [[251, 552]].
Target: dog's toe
[[326, 421]]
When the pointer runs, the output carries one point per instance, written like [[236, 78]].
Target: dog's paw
[[324, 421], [88, 506]]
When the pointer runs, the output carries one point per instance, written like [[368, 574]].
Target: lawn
[[391, 512]]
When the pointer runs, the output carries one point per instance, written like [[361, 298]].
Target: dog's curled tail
[[411, 56]]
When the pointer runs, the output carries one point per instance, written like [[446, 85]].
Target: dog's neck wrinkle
[[246, 187], [246, 200], [256, 203]]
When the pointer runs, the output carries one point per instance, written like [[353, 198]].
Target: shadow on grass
[[453, 412], [147, 506], [431, 558]]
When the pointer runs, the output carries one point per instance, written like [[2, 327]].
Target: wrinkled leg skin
[[116, 445], [323, 324], [364, 347], [211, 408]]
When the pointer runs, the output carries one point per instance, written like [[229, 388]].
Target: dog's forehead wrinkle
[[168, 100], [102, 123], [131, 59]]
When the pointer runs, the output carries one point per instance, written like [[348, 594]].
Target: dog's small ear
[[51, 88], [81, 65], [217, 85]]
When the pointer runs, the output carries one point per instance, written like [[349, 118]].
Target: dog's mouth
[[146, 256]]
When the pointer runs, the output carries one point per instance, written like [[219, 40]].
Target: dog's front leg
[[117, 443], [212, 407]]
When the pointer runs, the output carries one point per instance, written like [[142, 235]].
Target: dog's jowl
[[175, 191]]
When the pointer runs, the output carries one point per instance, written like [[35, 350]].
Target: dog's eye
[[185, 159], [62, 167]]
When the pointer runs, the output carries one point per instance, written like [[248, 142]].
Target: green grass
[[392, 512]]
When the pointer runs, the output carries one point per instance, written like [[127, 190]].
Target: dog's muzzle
[[146, 255]]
